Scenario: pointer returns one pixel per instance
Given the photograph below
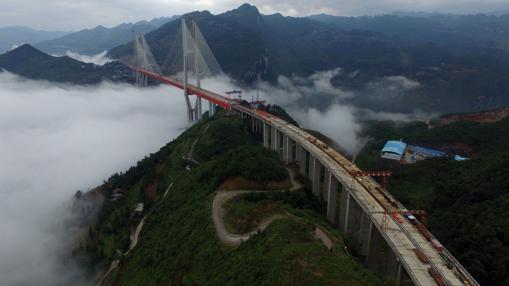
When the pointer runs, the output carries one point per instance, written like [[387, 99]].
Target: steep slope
[[178, 244], [32, 63], [467, 201], [99, 39], [17, 35]]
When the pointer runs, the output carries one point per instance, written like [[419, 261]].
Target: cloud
[[74, 15], [300, 97], [15, 47], [391, 87], [317, 104], [56, 139], [338, 122], [99, 59]]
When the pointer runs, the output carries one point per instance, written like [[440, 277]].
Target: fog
[[99, 59], [56, 139], [315, 103]]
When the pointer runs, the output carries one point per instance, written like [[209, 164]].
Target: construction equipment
[[229, 93], [383, 174]]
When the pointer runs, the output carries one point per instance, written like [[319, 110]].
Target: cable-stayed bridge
[[389, 240]]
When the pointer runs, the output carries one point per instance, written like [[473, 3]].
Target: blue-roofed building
[[394, 150], [426, 152], [409, 154]]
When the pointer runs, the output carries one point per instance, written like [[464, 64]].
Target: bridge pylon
[[193, 61]]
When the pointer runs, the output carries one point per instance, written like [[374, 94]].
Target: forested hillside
[[31, 63], [468, 202], [178, 243]]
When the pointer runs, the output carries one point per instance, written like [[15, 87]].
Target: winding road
[[134, 237], [218, 213]]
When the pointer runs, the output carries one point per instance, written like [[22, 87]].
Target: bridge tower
[[192, 60], [187, 51]]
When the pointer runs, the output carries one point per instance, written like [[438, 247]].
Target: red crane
[[383, 174]]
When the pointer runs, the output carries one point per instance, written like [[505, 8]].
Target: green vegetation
[[178, 244], [243, 216], [468, 202]]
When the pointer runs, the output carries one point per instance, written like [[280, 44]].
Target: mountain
[[468, 201], [442, 80], [459, 33], [176, 239], [16, 35], [100, 39], [241, 38], [32, 63]]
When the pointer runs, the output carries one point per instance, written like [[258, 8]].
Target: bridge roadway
[[355, 192], [402, 237]]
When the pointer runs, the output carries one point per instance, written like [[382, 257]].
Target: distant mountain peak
[[244, 10], [246, 15], [247, 7], [198, 14], [26, 50]]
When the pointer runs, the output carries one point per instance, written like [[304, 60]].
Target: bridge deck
[[192, 89], [403, 237]]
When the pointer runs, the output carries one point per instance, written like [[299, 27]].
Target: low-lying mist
[[56, 139], [99, 59], [316, 104]]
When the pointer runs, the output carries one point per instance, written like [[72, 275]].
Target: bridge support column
[[344, 210], [354, 221], [253, 125], [212, 109], [316, 176], [381, 258], [199, 111], [302, 153], [311, 165], [275, 140], [293, 151], [332, 190], [365, 234], [266, 135], [286, 149]]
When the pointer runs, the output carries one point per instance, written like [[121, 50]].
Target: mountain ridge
[[11, 36], [29, 62], [99, 39], [274, 45]]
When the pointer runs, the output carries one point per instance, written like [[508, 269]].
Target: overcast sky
[[79, 14]]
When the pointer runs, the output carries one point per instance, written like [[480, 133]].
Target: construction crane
[[229, 93], [383, 174]]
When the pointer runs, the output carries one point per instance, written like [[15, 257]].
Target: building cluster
[[409, 154]]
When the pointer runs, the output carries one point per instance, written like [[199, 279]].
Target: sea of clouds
[[56, 139]]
